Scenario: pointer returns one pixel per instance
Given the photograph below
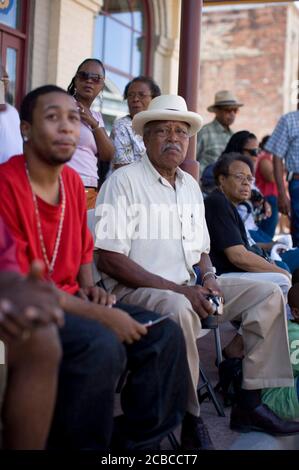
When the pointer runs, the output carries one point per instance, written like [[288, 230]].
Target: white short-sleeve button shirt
[[161, 228]]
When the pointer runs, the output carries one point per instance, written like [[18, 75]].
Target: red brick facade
[[246, 51]]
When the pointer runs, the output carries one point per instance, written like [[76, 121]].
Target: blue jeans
[[294, 195], [269, 225], [259, 236], [290, 258], [153, 398]]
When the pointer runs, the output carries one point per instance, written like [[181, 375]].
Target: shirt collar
[[154, 176], [220, 128]]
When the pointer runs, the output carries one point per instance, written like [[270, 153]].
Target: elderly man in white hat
[[151, 232], [213, 137]]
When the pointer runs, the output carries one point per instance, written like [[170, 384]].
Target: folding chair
[[205, 389]]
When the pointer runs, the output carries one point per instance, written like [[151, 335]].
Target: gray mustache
[[171, 147]]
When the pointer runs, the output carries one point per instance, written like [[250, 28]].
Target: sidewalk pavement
[[222, 436]]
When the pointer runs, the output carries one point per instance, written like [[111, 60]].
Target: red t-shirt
[[8, 261], [267, 188], [17, 210]]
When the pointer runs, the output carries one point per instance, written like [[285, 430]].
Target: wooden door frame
[[22, 34]]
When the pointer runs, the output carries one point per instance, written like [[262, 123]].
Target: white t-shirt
[[85, 161], [10, 135]]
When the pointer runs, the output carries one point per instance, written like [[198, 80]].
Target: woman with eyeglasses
[[232, 252], [253, 209], [246, 143], [94, 145], [129, 147]]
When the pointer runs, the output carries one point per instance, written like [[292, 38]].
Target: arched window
[[122, 39]]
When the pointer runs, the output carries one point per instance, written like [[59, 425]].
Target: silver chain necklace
[[49, 264]]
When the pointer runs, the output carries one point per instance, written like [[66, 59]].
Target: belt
[[295, 176], [91, 187]]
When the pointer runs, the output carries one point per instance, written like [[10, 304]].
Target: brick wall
[[245, 51]]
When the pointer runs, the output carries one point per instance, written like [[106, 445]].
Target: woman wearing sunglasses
[[129, 147], [253, 211], [246, 143], [94, 144]]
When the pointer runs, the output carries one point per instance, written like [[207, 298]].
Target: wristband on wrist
[[207, 275], [97, 127]]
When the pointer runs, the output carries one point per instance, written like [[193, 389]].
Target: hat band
[[227, 103]]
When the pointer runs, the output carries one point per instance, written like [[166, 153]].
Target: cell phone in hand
[[158, 320]]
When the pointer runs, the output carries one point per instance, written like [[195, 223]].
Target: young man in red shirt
[[43, 204], [28, 379]]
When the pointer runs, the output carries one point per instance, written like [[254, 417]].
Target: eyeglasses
[[139, 95], [164, 132], [230, 110], [252, 152], [241, 178], [95, 77]]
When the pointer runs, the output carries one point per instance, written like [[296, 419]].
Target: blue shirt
[[284, 142]]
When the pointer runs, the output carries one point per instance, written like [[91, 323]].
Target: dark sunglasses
[[253, 152], [230, 110], [95, 77]]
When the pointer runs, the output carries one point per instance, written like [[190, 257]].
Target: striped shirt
[[284, 142]]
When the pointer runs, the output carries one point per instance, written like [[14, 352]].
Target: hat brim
[[214, 107], [193, 119]]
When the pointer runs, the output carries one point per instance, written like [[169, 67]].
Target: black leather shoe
[[121, 442], [195, 435], [261, 419]]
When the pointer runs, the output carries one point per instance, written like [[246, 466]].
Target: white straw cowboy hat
[[224, 98], [167, 108]]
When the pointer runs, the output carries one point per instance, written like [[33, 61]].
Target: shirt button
[[184, 237]]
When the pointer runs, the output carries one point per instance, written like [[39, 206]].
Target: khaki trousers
[[91, 197], [259, 305]]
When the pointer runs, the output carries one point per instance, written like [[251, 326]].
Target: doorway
[[13, 46]]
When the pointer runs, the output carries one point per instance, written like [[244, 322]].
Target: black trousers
[[153, 398]]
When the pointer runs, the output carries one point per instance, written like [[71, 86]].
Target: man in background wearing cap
[[151, 231], [213, 137]]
